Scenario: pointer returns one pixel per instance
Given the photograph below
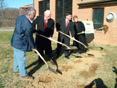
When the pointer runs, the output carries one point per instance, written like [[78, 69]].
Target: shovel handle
[[42, 58], [73, 39], [55, 41], [60, 43]]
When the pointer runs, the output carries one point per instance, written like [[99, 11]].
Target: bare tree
[[7, 15]]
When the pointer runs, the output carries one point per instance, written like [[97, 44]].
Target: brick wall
[[87, 14], [83, 14], [52, 7]]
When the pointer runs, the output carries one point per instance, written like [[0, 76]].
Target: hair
[[30, 10], [74, 17], [46, 11], [68, 13]]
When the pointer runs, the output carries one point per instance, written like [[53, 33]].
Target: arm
[[58, 26], [52, 29], [29, 36]]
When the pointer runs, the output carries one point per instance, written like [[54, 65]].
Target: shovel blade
[[52, 70]]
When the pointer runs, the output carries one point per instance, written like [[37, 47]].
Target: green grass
[[6, 27], [5, 37], [10, 80], [108, 62]]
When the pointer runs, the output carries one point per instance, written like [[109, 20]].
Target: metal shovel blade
[[52, 70]]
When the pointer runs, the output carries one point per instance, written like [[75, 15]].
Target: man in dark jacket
[[22, 41], [45, 26], [64, 25]]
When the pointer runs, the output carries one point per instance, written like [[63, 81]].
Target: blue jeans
[[19, 62]]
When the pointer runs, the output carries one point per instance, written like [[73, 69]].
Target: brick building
[[22, 9], [91, 10]]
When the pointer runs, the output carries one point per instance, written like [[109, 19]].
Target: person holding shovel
[[45, 27], [22, 41], [64, 25], [79, 27]]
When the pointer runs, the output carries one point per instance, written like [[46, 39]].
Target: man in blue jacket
[[22, 41]]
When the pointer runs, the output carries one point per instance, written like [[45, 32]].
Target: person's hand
[[83, 31], [34, 49], [73, 38], [50, 38], [36, 33]]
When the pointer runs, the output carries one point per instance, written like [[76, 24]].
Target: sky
[[17, 3]]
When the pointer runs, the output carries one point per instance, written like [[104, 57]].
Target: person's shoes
[[27, 77], [67, 57]]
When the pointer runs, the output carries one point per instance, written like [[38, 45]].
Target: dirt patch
[[80, 86], [77, 61], [66, 68], [93, 67], [91, 71], [45, 79]]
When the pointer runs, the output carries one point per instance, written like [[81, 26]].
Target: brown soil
[[91, 71], [76, 72]]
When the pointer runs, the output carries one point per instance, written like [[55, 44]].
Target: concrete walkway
[[1, 29]]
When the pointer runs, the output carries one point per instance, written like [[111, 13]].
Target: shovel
[[73, 39], [68, 47], [104, 28], [54, 41], [45, 62]]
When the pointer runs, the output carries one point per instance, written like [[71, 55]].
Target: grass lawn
[[10, 80], [6, 27]]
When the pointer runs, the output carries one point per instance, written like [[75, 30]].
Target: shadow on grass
[[34, 63], [55, 57], [57, 54], [115, 71], [38, 65], [97, 83], [31, 72]]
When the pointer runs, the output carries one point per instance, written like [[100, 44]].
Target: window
[[63, 6], [48, 4], [59, 3], [98, 17], [43, 5]]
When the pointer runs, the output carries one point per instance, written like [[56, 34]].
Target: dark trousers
[[42, 53], [59, 48], [44, 45], [81, 38]]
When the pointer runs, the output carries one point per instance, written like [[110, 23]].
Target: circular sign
[[110, 17]]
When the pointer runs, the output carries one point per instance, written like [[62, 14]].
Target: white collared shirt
[[46, 20], [30, 20], [67, 21]]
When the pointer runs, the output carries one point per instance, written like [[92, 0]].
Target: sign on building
[[89, 28]]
